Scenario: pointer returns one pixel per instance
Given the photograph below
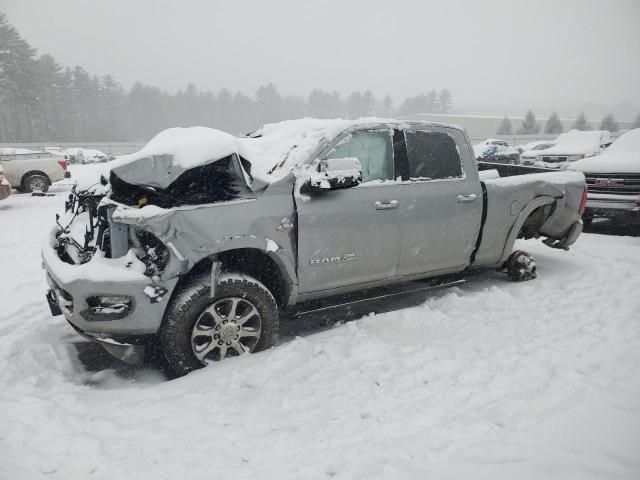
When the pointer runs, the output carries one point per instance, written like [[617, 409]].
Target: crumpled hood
[[172, 152]]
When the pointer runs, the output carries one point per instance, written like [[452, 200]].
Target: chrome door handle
[[386, 205], [467, 198]]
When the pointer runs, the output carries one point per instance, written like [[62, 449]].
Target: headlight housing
[[150, 250]]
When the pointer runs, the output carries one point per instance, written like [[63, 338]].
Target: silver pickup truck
[[200, 240]]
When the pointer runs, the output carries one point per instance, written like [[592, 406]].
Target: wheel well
[[259, 265], [250, 261], [534, 221], [34, 172]]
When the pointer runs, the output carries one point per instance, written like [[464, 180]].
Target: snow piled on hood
[[621, 157], [273, 150], [627, 143], [190, 147], [579, 142]]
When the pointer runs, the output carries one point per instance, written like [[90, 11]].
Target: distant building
[[481, 127]]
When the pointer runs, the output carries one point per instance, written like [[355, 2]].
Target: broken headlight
[[151, 251]]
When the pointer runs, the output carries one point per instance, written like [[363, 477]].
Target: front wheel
[[199, 330]]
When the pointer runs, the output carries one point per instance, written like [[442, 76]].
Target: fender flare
[[279, 257], [522, 217]]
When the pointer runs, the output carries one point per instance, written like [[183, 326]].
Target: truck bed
[[549, 199]]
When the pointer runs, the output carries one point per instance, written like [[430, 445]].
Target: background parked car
[[496, 150], [529, 153], [614, 181], [29, 172], [85, 155], [56, 151], [5, 187], [573, 146]]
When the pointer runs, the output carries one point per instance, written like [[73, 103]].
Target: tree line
[[40, 100], [531, 126]]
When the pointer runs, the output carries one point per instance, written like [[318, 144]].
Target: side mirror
[[338, 173]]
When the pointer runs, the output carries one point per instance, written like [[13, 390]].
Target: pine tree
[[636, 123], [445, 101], [530, 125], [367, 104], [319, 104], [293, 106], [269, 104], [505, 127], [553, 125], [336, 105], [432, 103], [581, 122], [354, 105], [387, 106], [20, 106], [609, 123]]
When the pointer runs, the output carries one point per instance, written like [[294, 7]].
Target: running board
[[431, 286]]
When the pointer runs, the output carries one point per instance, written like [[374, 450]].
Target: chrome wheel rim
[[229, 327], [37, 184]]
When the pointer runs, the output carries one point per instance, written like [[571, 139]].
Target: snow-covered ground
[[491, 379]]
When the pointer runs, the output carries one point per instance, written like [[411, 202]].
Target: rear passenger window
[[432, 155]]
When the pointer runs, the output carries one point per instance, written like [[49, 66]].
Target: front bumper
[[72, 285], [620, 208], [130, 353]]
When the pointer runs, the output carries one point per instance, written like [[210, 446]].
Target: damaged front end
[[116, 254], [106, 278], [88, 229]]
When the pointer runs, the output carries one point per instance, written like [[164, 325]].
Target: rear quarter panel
[[507, 202]]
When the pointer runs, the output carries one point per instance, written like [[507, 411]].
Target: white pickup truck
[[573, 146], [31, 171], [613, 179]]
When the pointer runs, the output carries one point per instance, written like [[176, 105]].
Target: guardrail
[[110, 148]]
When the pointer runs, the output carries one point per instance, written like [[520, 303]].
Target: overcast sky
[[496, 55]]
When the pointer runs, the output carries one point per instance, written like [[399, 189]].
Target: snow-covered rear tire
[[521, 266], [35, 182], [198, 330]]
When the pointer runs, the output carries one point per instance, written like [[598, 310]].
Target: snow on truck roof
[[284, 145]]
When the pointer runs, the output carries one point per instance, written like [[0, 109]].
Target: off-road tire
[[30, 183], [190, 302]]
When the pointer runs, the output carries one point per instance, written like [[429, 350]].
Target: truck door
[[442, 208], [351, 236]]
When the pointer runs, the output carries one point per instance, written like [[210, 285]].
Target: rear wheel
[[521, 266], [199, 330], [35, 182]]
